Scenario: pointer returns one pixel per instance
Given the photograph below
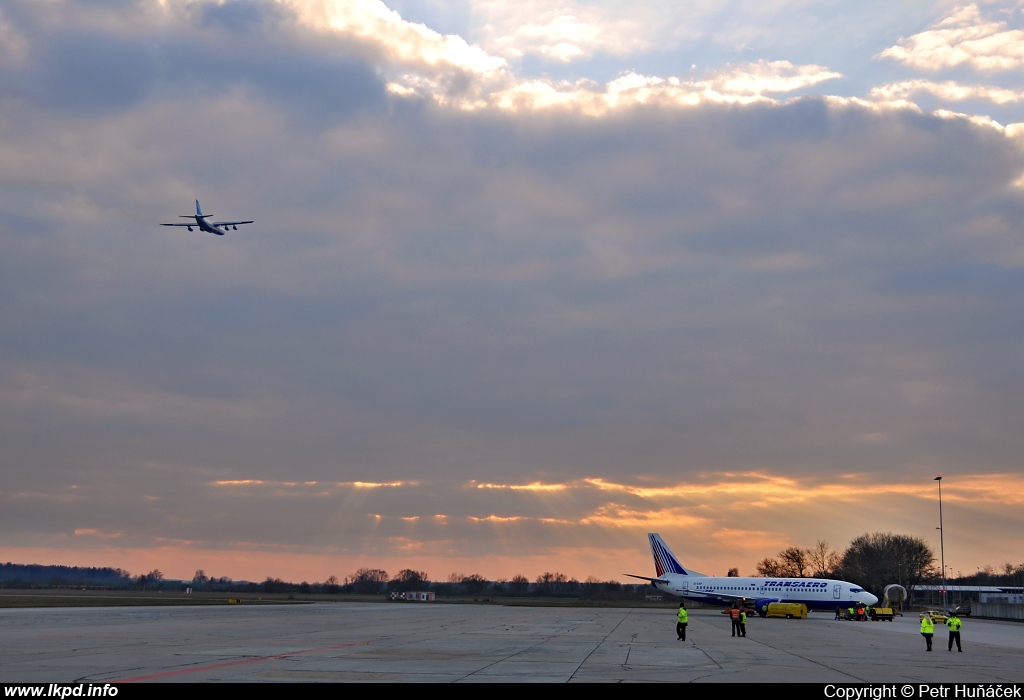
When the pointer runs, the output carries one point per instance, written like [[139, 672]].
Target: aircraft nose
[[872, 599]]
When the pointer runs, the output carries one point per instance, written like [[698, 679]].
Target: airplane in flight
[[217, 228], [815, 593]]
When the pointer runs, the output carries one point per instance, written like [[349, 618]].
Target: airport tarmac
[[329, 642]]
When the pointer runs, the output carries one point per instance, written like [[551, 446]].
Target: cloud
[[947, 90], [741, 85], [696, 519], [404, 42], [447, 69], [964, 38], [472, 301], [559, 32]]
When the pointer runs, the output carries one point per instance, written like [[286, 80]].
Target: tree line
[[29, 575], [549, 584], [872, 560]]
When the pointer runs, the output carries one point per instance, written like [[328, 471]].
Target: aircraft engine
[[761, 605], [893, 593]]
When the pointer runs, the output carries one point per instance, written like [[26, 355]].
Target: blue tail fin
[[665, 561]]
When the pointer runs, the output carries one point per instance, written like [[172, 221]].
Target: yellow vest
[[927, 626], [684, 616]]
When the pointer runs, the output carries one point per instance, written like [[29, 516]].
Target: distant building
[[957, 594], [414, 596]]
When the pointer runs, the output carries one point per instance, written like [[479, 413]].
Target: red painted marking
[[226, 664]]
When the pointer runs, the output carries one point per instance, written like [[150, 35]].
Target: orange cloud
[[715, 521], [94, 532], [535, 487]]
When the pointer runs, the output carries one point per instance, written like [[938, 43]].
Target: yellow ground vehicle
[[787, 610], [877, 614], [939, 618]]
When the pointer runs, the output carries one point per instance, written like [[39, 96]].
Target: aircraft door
[[837, 590]]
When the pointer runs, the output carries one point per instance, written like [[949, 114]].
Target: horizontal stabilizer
[[652, 579]]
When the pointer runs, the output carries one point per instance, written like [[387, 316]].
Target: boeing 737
[[217, 228], [815, 593]]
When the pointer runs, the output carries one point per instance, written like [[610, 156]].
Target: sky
[[526, 281]]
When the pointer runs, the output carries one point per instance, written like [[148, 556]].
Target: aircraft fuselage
[[815, 593]]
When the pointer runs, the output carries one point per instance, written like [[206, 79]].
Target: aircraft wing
[[230, 223], [730, 596], [178, 224]]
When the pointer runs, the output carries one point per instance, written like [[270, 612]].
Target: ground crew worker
[[851, 612], [743, 623], [734, 615], [837, 612], [684, 619], [927, 629], [954, 625]]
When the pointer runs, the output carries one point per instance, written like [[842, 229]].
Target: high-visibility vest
[[953, 624], [684, 616], [927, 626], [734, 614]]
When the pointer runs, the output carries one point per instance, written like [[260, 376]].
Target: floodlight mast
[[942, 545]]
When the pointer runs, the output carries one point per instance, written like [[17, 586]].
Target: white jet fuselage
[[815, 593]]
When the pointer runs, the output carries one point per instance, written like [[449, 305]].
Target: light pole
[[942, 544]]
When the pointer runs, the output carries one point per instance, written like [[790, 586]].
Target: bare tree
[[795, 561], [551, 583], [273, 585], [771, 568], [733, 572], [822, 560], [408, 580], [474, 584], [369, 580]]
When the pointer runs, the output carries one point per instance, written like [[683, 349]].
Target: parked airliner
[[217, 228], [815, 593]]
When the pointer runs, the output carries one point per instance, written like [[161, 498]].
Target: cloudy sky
[[527, 281]]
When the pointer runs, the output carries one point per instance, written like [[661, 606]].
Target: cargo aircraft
[[815, 593], [217, 228]]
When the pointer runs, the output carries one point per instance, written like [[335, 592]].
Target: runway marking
[[598, 646], [226, 664]]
